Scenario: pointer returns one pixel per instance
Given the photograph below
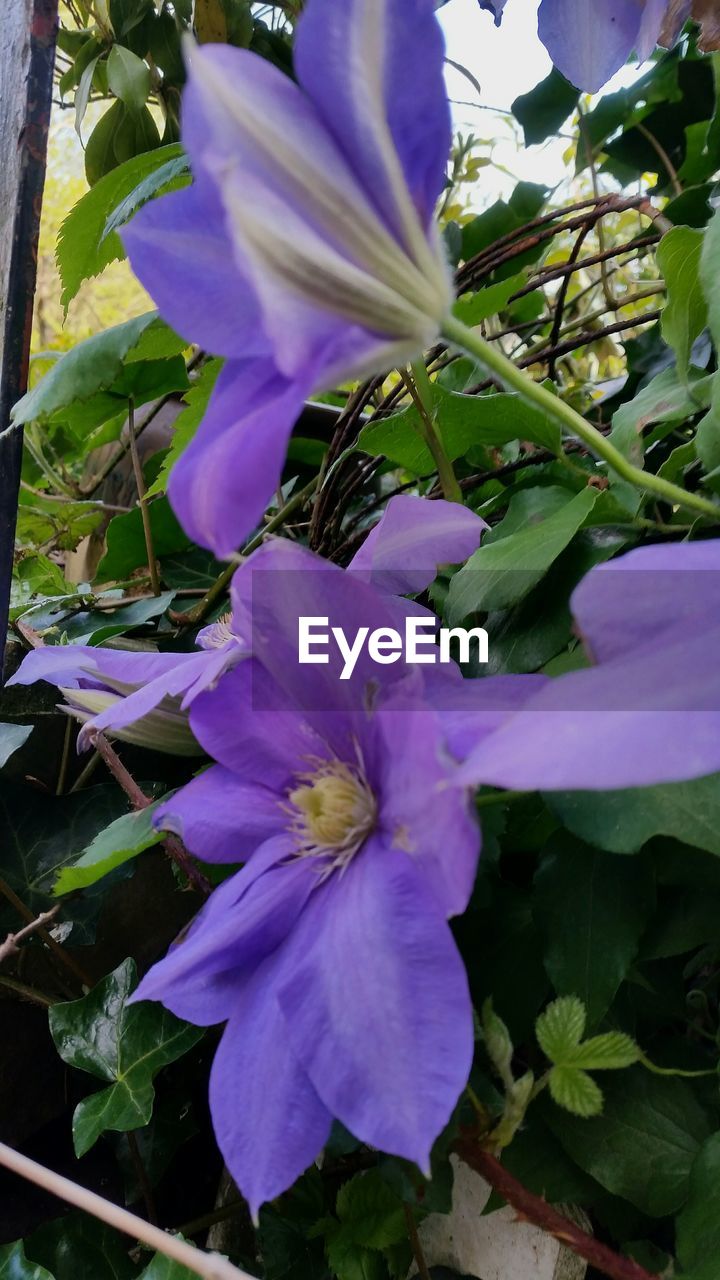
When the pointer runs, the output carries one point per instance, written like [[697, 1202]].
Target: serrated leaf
[[575, 1091], [686, 312], [560, 1027], [86, 243], [348, 1262], [124, 839], [502, 572], [607, 1052], [126, 1045], [15, 1266], [187, 422], [370, 1213]]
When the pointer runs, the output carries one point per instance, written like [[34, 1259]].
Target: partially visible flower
[[648, 711], [144, 697], [589, 40], [306, 251]]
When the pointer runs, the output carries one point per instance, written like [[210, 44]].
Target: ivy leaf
[[78, 1247], [124, 839], [15, 1266], [575, 1091], [698, 1225], [685, 314], [559, 1029], [124, 1045], [643, 1145], [87, 242], [502, 572], [623, 821]]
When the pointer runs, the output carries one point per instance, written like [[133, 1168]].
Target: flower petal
[[589, 40], [377, 1004], [419, 811], [401, 554], [86, 666], [639, 598], [361, 62], [642, 720], [221, 484], [268, 1120], [181, 252], [220, 818], [243, 921]]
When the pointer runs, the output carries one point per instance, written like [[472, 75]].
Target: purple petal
[[362, 64], [180, 251], [222, 819], [495, 7], [248, 726], [638, 599], [472, 709], [243, 921], [221, 484], [589, 40], [636, 722], [402, 553], [377, 1006], [83, 666], [419, 812], [652, 20], [268, 1120]]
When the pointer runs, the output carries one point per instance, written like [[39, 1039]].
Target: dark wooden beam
[[27, 50]]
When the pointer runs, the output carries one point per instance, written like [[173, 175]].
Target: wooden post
[[27, 50]]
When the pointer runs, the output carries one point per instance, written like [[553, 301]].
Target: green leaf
[[126, 549], [78, 1247], [698, 1225], [87, 242], [462, 422], [15, 1266], [128, 77], [710, 275], [559, 1029], [12, 738], [61, 623], [575, 1091], [685, 314], [348, 1262], [91, 366], [623, 821], [42, 834], [504, 571], [643, 1145], [610, 1051], [593, 910], [124, 839], [124, 1045], [187, 422], [163, 1268], [543, 110], [473, 308], [370, 1212]]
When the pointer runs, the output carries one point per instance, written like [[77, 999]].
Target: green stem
[[569, 420], [420, 388]]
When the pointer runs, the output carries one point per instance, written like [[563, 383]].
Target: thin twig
[[62, 955], [415, 1244], [532, 1208], [660, 151], [140, 484], [139, 800], [24, 992], [65, 759], [11, 945], [209, 1266]]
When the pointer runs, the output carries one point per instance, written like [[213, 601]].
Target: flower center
[[332, 812], [217, 635]]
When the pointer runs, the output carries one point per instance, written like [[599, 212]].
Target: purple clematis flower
[[144, 697], [329, 955], [648, 710], [315, 257]]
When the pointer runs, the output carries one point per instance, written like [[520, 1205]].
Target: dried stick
[[532, 1208], [11, 945], [145, 514], [139, 800], [209, 1266], [62, 955]]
